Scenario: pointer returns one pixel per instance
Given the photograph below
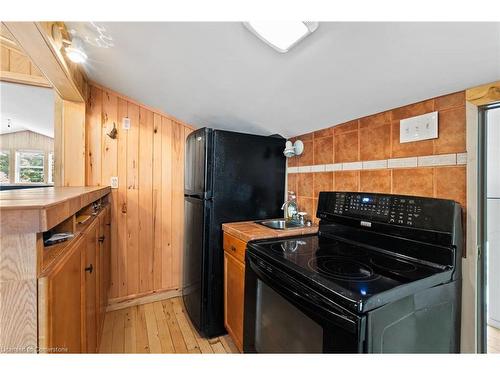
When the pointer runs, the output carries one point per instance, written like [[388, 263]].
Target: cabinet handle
[[233, 248], [101, 239], [89, 269], [108, 224]]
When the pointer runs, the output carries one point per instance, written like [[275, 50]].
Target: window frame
[[18, 167], [9, 158], [50, 168]]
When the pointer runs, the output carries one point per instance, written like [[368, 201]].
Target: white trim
[[402, 163], [469, 264], [318, 168], [354, 166], [375, 164], [333, 167], [436, 160], [413, 162]]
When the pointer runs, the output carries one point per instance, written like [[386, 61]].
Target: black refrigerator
[[228, 177]]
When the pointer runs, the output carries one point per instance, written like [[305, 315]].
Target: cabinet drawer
[[235, 247]]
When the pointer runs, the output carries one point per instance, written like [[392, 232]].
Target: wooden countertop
[[39, 209], [249, 231]]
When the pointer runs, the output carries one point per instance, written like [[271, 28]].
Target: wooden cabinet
[[90, 286], [234, 287], [73, 291], [103, 266], [61, 303]]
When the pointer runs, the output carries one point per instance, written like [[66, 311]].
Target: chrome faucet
[[290, 207]]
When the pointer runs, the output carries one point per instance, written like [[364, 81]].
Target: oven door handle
[[308, 298]]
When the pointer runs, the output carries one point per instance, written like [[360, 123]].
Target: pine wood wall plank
[[119, 277], [93, 135], [133, 165], [146, 243], [166, 194], [157, 202], [177, 202]]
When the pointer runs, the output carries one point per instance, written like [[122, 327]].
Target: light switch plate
[[114, 182], [419, 128], [126, 123]]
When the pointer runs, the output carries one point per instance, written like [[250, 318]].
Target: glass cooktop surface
[[354, 271]]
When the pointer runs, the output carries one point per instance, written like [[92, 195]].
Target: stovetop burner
[[341, 268]]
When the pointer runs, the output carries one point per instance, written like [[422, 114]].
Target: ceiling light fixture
[[75, 51], [281, 35]]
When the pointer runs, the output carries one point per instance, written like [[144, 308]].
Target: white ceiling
[[220, 75], [27, 108]]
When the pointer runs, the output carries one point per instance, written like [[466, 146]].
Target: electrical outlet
[[419, 128], [126, 123], [114, 182]]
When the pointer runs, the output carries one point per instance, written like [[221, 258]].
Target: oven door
[[283, 315]]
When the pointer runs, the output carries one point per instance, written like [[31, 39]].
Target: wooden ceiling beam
[[33, 38], [484, 94]]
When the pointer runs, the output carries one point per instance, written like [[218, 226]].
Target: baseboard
[[141, 299]]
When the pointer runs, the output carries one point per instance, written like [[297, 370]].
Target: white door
[[494, 262], [493, 222]]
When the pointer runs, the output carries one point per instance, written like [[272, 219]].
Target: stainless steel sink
[[280, 224]]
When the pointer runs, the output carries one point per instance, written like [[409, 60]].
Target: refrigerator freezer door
[[195, 224], [249, 176], [196, 163]]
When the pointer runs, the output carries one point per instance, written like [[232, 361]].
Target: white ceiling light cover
[[281, 35]]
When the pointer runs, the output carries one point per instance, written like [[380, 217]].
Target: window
[[29, 167], [50, 179], [4, 167]]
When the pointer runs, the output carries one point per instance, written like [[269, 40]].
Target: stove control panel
[[418, 212]]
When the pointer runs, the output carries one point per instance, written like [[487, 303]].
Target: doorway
[[490, 263]]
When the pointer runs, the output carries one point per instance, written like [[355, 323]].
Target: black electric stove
[[382, 275]]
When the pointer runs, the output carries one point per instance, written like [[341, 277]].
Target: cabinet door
[[234, 290], [90, 286], [60, 303], [104, 266]]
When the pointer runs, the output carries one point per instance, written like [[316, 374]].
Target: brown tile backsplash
[[375, 141], [307, 157], [346, 147], [323, 133], [449, 101], [413, 181], [451, 131], [323, 181], [411, 110], [450, 183], [305, 185], [376, 137], [377, 180], [347, 181], [323, 150]]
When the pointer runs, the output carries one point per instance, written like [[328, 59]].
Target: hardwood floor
[[493, 340], [157, 327]]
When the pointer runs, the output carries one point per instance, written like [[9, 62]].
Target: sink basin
[[280, 224]]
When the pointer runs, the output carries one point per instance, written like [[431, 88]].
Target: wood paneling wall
[[147, 207]]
